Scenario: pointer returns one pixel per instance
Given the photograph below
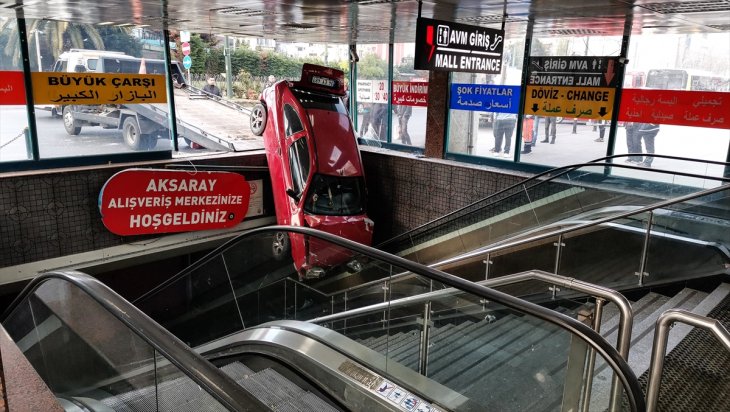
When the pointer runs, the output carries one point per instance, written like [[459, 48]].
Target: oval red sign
[[147, 201]]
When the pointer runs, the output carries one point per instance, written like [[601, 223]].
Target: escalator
[[244, 314]]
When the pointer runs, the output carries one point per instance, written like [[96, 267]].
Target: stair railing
[[661, 334]]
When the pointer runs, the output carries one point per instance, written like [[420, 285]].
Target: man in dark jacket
[[647, 132], [211, 88]]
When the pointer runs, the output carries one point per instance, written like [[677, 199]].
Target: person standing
[[601, 130], [646, 132], [550, 130], [504, 125], [633, 145], [404, 114], [211, 88], [527, 134], [366, 119]]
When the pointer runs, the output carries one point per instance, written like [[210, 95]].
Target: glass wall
[[477, 129], [409, 98], [674, 68], [14, 133], [97, 90], [373, 69]]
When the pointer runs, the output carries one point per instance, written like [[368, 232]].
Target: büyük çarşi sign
[[148, 201], [454, 47]]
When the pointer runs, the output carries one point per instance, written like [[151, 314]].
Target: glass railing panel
[[575, 196], [498, 358], [62, 331], [197, 307]]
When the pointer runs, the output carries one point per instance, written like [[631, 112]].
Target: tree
[[118, 39], [54, 37], [371, 67]]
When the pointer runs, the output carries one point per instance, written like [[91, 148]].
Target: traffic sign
[[184, 36], [187, 62], [185, 48]]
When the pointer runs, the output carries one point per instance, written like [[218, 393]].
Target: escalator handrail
[[220, 386], [559, 171], [590, 336]]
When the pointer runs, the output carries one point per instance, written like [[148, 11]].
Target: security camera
[[623, 60]]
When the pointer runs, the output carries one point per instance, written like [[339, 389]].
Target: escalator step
[[237, 370]]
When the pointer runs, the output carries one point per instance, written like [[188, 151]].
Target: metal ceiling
[[383, 21]]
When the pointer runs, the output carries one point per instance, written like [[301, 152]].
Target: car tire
[[280, 246], [192, 144], [131, 133], [69, 122], [258, 119]]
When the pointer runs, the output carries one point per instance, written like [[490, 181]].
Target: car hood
[[336, 147]]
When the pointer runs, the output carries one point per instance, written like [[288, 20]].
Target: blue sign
[[485, 98], [187, 62]]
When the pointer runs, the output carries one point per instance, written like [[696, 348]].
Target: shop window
[[372, 93]]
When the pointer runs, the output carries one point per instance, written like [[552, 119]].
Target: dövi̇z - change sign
[[146, 201]]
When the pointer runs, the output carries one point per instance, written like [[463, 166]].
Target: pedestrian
[[211, 88], [366, 118], [504, 125], [270, 82], [377, 119], [535, 130], [527, 134], [601, 130], [646, 132], [632, 143], [404, 114], [550, 130]]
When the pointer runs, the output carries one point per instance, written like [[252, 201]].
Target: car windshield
[[336, 196]]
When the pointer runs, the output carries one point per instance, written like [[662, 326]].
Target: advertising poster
[[682, 108], [12, 88], [410, 93]]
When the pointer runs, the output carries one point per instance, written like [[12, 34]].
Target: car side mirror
[[292, 194]]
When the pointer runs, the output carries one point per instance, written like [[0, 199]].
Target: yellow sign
[[584, 102], [98, 88]]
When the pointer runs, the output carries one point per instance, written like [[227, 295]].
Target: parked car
[[315, 167]]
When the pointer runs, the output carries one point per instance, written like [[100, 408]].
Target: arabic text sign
[[98, 88], [410, 93], [365, 91], [12, 88], [683, 108], [588, 71], [448, 46], [487, 98], [146, 201], [583, 102]]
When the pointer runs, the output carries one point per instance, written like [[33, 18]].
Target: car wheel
[[258, 119], [192, 144], [69, 122], [131, 133], [280, 246]]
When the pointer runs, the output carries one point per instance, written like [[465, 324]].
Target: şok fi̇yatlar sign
[[453, 47]]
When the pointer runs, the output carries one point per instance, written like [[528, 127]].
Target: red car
[[315, 166]]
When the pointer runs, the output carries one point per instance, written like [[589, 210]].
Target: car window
[[319, 101], [292, 123], [92, 63], [336, 195], [299, 164]]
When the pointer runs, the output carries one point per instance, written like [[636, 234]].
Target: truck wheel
[[69, 122], [280, 246], [131, 133], [258, 119]]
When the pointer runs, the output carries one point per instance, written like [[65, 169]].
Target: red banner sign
[[410, 93], [12, 88], [146, 201], [683, 108]]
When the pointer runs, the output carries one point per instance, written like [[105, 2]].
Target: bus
[[681, 79]]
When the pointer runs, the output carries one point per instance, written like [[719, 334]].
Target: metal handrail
[[219, 385], [502, 246], [560, 171], [626, 316], [582, 331], [661, 335]]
